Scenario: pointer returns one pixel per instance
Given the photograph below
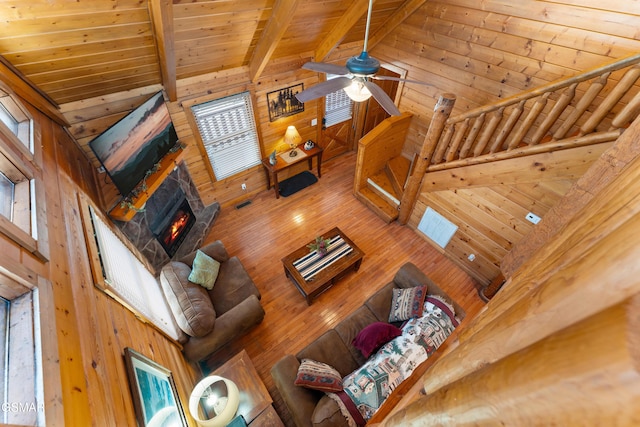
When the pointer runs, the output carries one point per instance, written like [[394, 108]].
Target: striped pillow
[[407, 303]]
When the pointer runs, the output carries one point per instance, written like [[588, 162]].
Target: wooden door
[[343, 137], [336, 139]]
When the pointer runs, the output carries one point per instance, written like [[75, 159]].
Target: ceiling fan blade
[[382, 98], [399, 79], [323, 67], [324, 88]]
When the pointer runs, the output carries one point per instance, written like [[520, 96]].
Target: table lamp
[[292, 138], [217, 397]]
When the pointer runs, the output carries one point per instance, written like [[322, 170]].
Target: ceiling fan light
[[357, 91]]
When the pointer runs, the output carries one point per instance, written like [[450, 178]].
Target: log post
[[550, 382], [478, 123], [459, 132], [442, 110], [582, 105]]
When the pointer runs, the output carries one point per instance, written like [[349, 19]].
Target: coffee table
[[313, 275]]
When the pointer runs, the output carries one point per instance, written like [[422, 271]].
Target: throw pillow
[[204, 271], [318, 376], [407, 303], [374, 336]]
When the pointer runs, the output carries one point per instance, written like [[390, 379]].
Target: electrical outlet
[[314, 122], [244, 187], [532, 218], [101, 169]]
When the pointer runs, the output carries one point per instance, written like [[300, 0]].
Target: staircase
[[381, 169], [390, 181], [590, 108]]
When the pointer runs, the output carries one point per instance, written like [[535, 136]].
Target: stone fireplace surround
[[138, 229]]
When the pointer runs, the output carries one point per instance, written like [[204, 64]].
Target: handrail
[[551, 87], [560, 115], [575, 106]]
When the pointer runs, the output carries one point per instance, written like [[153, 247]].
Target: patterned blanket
[[367, 388]]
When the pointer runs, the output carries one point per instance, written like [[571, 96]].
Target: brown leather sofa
[[312, 408], [211, 319]]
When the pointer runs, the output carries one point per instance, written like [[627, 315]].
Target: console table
[[283, 161], [255, 402]]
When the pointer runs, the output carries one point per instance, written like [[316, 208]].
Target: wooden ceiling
[[74, 50]]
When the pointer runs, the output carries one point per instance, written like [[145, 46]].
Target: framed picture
[[155, 398], [283, 103]]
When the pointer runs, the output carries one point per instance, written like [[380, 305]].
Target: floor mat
[[296, 183]]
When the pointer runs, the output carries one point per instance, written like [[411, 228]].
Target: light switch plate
[[533, 218]]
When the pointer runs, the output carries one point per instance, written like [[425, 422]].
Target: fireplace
[[175, 232], [160, 212], [172, 227]]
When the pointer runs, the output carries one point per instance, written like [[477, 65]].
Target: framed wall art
[[283, 103], [155, 398]]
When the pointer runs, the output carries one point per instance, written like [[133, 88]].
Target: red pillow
[[374, 336], [318, 376]]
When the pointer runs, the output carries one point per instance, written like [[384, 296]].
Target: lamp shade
[[357, 91], [225, 406], [292, 137]]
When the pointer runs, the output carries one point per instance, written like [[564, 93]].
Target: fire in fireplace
[[172, 233]]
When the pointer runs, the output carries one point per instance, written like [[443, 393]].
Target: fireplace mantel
[[153, 181]]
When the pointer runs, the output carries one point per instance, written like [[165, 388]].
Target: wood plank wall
[[530, 357], [92, 329], [483, 52], [489, 203], [90, 117], [480, 52]]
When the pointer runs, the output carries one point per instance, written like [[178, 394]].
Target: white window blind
[[337, 106], [130, 281], [228, 131]]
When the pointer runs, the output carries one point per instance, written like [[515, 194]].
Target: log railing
[[590, 108], [574, 107]]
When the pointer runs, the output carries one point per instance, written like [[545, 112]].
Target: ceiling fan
[[356, 78]]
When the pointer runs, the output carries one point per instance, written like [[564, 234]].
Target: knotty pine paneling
[[483, 52], [90, 117], [79, 50], [89, 329], [489, 203]]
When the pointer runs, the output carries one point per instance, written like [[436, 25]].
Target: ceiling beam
[[394, 20], [30, 93], [161, 12], [281, 17], [357, 9]]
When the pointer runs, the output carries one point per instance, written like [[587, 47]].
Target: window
[[228, 133], [7, 191], [124, 277], [22, 402], [8, 119], [16, 119], [337, 106], [21, 184]]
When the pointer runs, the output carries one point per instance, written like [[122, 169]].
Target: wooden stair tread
[[383, 187], [376, 203]]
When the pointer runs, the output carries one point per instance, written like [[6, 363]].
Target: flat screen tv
[[134, 145]]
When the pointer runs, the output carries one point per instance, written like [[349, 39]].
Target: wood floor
[[266, 230]]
